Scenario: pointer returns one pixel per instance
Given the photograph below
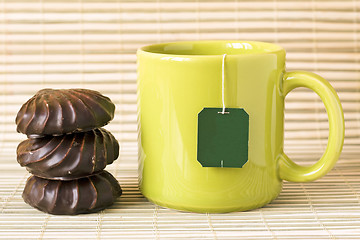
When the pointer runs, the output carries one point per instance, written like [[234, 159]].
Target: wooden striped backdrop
[[92, 44]]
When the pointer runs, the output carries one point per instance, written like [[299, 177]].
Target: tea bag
[[223, 135], [223, 138]]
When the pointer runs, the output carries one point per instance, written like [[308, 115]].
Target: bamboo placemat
[[325, 209], [92, 44]]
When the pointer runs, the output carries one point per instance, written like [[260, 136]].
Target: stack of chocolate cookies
[[67, 151]]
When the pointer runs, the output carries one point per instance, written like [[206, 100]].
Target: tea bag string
[[223, 85]]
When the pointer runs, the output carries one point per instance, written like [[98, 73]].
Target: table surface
[[325, 209], [92, 44]]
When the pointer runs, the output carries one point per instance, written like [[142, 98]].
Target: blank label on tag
[[223, 139]]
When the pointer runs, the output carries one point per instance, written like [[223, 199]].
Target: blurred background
[[92, 44]]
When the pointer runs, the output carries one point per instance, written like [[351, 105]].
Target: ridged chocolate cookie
[[84, 195], [68, 156], [62, 111]]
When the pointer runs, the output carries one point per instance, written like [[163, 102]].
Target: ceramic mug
[[177, 80]]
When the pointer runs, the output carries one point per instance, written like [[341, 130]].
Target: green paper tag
[[223, 138]]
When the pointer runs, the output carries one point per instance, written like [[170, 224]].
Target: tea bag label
[[223, 138]]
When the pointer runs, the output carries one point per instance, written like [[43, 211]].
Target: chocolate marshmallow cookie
[[67, 150], [63, 111], [84, 195], [68, 156]]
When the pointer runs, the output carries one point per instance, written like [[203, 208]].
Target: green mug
[[176, 81]]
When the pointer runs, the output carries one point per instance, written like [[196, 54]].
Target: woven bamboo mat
[[325, 209], [92, 44]]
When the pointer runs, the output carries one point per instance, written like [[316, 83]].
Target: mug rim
[[265, 47]]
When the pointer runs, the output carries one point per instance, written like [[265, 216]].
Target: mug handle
[[290, 171]]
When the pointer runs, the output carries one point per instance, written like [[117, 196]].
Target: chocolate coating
[[68, 156], [84, 195], [60, 111]]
